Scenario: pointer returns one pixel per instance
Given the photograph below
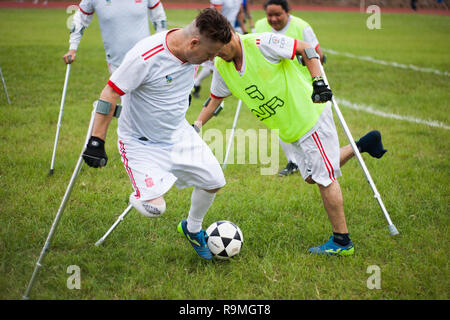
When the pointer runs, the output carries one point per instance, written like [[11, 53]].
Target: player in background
[[231, 10], [122, 24], [279, 21], [158, 147], [247, 14], [258, 69]]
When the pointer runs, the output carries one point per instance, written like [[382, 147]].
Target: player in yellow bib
[[261, 70], [279, 21]]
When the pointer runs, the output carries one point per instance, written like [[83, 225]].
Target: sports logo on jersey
[[168, 79], [267, 109], [281, 42], [108, 2], [137, 1]]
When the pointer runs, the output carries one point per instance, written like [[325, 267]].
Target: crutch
[[4, 86], [119, 219], [63, 98], [230, 142], [392, 229], [62, 206]]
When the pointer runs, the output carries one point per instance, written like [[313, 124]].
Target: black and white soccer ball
[[225, 239]]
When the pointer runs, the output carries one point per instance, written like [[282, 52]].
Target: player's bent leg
[[370, 143], [149, 208]]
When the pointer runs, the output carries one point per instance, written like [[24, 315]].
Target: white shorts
[[318, 152], [153, 167]]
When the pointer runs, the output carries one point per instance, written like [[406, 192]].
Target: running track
[[50, 4]]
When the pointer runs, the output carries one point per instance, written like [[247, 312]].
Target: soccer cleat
[[290, 169], [333, 249], [196, 92], [197, 240]]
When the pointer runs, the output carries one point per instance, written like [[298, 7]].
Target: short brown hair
[[213, 25]]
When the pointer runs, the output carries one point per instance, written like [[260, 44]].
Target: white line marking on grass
[[372, 110], [388, 63]]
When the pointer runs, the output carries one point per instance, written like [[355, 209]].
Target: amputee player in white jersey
[[122, 24], [231, 10], [158, 146]]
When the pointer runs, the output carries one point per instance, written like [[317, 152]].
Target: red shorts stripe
[[154, 5], [324, 156], [115, 88], [128, 169]]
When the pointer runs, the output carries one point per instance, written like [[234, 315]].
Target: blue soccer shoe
[[332, 248], [197, 240]]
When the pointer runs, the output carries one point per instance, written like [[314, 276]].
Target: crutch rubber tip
[[393, 230], [51, 172], [99, 242]]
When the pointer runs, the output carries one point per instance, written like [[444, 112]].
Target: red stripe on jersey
[[155, 52], [295, 49], [87, 13], [216, 97], [154, 5], [157, 47], [115, 88], [258, 42], [318, 45]]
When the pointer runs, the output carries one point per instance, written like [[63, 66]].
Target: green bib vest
[[295, 30], [276, 94]]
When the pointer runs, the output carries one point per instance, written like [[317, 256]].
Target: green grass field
[[280, 217]]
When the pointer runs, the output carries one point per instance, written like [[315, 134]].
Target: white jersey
[[272, 49], [122, 24], [156, 85], [230, 9]]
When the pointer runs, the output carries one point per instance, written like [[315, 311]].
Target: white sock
[[200, 203]]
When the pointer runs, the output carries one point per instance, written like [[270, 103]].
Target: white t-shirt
[[122, 24], [308, 34], [230, 9], [274, 47], [156, 85]]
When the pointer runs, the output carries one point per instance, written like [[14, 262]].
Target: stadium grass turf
[[280, 217]]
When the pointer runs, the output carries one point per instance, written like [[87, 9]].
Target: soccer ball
[[225, 239]]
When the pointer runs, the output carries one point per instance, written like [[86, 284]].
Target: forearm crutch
[[4, 86], [58, 126], [62, 206], [392, 229], [119, 219], [230, 142]]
